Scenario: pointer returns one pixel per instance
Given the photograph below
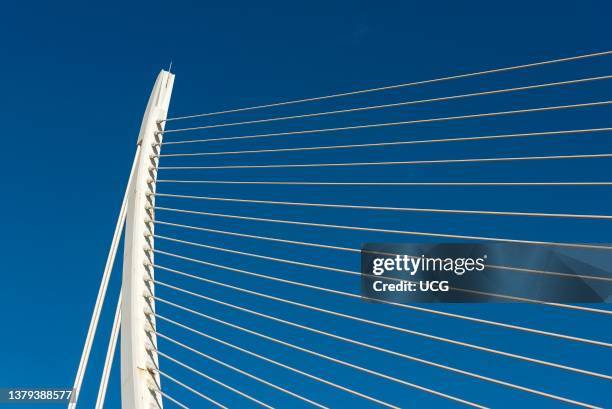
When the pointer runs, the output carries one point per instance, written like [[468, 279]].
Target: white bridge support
[[139, 377]]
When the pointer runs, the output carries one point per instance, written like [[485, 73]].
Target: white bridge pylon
[[140, 385], [139, 376]]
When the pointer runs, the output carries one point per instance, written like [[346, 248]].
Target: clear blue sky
[[76, 77]]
